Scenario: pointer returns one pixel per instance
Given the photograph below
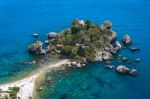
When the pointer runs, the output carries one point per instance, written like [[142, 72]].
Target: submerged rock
[[127, 39], [122, 69]]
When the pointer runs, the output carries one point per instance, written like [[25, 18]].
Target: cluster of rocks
[[76, 64], [37, 48], [109, 48], [124, 70], [113, 49]]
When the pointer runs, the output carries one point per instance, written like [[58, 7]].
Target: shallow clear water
[[19, 19]]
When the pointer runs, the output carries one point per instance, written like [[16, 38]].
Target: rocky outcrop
[[107, 25], [106, 55], [122, 69], [36, 48], [127, 39], [99, 56]]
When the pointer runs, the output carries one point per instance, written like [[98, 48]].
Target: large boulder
[[106, 55], [127, 39], [122, 69]]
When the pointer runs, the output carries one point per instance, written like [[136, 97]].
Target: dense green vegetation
[[81, 41], [12, 92]]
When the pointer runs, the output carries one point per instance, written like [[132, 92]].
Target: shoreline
[[27, 84]]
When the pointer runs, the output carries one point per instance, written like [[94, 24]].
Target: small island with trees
[[85, 42]]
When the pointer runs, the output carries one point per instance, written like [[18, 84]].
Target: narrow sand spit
[[27, 85]]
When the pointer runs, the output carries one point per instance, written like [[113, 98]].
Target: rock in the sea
[[107, 25], [35, 35], [124, 58], [127, 39], [110, 66], [134, 49], [52, 35], [83, 65], [78, 65], [133, 72], [137, 60], [36, 48], [113, 50], [122, 69], [33, 62], [43, 52], [46, 41], [118, 45], [108, 62], [73, 63]]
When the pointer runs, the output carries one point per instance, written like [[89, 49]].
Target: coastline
[[27, 85]]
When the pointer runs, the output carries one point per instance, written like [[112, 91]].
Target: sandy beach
[[27, 85]]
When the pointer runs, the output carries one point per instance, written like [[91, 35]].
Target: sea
[[19, 19]]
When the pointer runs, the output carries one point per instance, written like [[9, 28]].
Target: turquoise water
[[20, 18]]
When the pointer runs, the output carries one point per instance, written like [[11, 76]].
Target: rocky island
[[83, 43]]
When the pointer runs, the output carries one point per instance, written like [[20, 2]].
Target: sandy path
[[27, 85]]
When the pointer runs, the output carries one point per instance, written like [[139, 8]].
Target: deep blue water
[[19, 19]]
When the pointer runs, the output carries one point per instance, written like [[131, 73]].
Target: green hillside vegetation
[[81, 41]]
